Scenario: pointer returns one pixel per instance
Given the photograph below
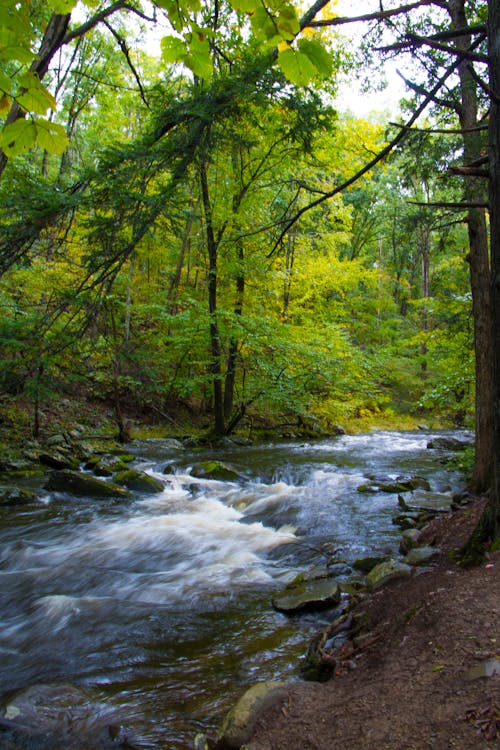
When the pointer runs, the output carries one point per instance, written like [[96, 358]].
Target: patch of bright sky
[[352, 95]]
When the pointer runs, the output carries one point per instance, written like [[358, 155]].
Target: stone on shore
[[311, 595], [241, 719], [387, 571]]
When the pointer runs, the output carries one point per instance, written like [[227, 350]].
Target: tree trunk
[[488, 527], [51, 42], [478, 264], [491, 519], [215, 347]]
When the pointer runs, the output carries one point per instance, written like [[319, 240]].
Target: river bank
[[161, 597], [430, 676]]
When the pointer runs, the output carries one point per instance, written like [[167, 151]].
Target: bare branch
[[467, 171], [380, 15], [123, 46], [441, 131], [420, 90], [465, 206], [411, 41]]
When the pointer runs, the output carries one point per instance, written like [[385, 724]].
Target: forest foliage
[[149, 254]]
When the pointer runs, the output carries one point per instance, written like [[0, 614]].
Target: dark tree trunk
[[488, 527], [52, 40], [474, 189], [491, 521], [215, 347]]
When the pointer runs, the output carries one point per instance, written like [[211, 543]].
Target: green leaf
[[297, 67], [200, 60], [318, 55], [34, 97], [18, 137], [51, 136], [5, 83], [15, 52], [246, 6], [62, 6], [287, 22], [173, 49]]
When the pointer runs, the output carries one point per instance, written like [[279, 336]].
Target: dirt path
[[411, 689]]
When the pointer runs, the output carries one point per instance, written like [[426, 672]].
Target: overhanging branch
[[373, 162]]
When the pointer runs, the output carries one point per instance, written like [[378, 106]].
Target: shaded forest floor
[[412, 689]]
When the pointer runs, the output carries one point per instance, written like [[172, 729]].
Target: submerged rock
[[139, 481], [16, 496], [78, 483], [241, 719], [310, 595], [387, 571]]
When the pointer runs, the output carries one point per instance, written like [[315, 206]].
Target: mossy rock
[[138, 481], [214, 470], [241, 719], [421, 555], [365, 564], [13, 496], [308, 596], [83, 485], [387, 571], [58, 460]]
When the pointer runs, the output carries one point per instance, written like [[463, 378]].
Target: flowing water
[[157, 608]]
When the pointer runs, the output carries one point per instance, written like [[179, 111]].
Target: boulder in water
[[214, 470], [16, 496], [449, 444], [138, 481], [83, 485]]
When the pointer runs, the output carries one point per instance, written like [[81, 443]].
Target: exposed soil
[[408, 690]]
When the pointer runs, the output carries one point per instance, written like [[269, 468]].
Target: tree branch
[[380, 15], [441, 131], [414, 40], [378, 158], [123, 46]]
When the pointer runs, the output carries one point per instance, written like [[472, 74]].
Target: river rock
[[310, 595], [365, 564], [409, 540], [60, 717], [449, 444], [241, 719], [387, 571], [106, 466], [421, 555], [214, 470], [396, 486], [58, 460], [138, 481], [16, 496], [83, 485]]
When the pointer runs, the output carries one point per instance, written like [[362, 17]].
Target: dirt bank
[[412, 688]]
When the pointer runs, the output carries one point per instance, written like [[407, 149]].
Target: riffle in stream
[[143, 620]]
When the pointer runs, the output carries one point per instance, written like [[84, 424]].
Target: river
[[157, 609]]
